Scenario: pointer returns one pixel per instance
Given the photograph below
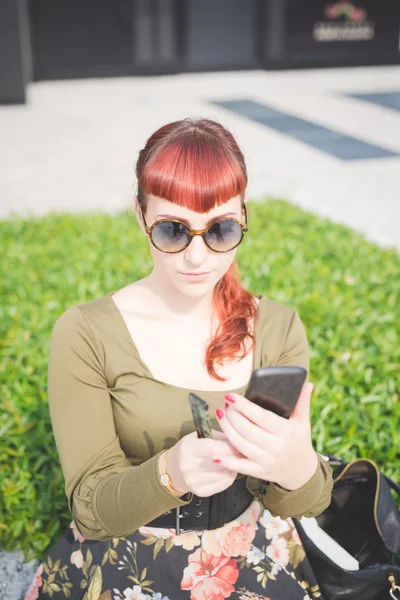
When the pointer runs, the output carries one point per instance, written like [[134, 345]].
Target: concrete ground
[[15, 575], [74, 145]]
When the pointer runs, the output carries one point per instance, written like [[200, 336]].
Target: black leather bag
[[364, 520]]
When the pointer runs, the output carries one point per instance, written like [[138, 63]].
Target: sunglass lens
[[169, 236], [224, 235]]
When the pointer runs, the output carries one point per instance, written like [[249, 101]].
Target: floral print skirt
[[255, 556]]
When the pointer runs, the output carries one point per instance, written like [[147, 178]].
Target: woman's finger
[[218, 435], [244, 446], [240, 465], [251, 432], [262, 417], [301, 411]]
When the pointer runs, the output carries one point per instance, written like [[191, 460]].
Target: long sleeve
[[315, 495], [107, 496]]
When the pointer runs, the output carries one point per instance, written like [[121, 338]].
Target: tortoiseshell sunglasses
[[171, 235]]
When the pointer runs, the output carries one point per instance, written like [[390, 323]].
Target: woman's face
[[171, 269]]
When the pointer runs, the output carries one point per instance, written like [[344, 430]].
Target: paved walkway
[[307, 137]]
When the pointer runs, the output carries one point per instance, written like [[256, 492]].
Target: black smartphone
[[276, 388], [200, 415]]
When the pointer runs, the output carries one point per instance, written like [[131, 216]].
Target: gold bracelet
[[166, 479]]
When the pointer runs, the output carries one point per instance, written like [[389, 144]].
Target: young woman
[[159, 513]]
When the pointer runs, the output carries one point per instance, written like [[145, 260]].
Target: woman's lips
[[195, 276]]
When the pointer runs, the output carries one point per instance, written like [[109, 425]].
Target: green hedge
[[347, 291]]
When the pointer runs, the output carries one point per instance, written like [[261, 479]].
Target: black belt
[[207, 513]]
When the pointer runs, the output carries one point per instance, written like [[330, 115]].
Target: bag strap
[[395, 486], [335, 461]]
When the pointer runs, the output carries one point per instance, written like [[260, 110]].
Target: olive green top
[[112, 419]]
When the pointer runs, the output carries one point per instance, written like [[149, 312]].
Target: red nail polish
[[229, 397], [227, 405], [220, 413], [216, 460]]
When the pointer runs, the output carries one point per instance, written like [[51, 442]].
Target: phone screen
[[200, 415]]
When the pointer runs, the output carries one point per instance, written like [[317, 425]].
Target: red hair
[[196, 163]]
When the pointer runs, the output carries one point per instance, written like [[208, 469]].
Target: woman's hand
[[192, 469], [273, 448]]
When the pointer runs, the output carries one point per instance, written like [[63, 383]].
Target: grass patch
[[347, 292]]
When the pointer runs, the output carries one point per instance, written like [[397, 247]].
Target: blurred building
[[60, 39]]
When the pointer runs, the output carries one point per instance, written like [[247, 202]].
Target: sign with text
[[317, 28]]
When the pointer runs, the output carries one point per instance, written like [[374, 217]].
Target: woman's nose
[[197, 251]]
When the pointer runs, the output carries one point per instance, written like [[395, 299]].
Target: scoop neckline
[[126, 333]]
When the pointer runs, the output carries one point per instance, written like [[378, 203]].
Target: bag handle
[[335, 461]]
